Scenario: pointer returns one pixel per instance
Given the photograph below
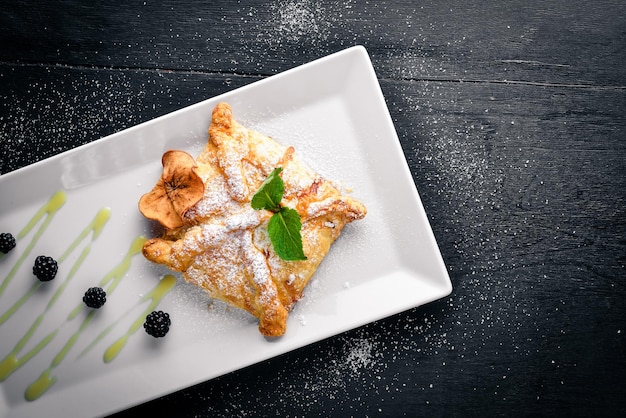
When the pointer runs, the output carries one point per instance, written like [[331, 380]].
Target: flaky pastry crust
[[223, 246]]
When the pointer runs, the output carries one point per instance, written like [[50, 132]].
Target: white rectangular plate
[[333, 112]]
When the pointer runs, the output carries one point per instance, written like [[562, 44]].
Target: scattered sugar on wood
[[295, 21], [48, 118]]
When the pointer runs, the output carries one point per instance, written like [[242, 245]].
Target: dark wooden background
[[512, 117]]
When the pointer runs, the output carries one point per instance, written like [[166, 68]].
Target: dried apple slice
[[176, 191]]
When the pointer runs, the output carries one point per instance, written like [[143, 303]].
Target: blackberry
[[7, 242], [95, 297], [45, 268], [157, 323]]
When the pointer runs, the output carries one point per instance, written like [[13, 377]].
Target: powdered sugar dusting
[[215, 199], [294, 21], [322, 381], [47, 118], [202, 316], [225, 246], [232, 155], [258, 263], [247, 219]]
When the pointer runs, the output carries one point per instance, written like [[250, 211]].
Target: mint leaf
[[270, 193], [284, 230], [285, 224]]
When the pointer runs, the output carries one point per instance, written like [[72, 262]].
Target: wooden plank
[[569, 43], [511, 117], [45, 110], [524, 187]]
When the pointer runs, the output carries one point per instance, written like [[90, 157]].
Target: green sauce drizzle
[[45, 381], [50, 209], [15, 359], [5, 370], [164, 286]]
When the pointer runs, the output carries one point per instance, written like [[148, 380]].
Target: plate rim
[[360, 53]]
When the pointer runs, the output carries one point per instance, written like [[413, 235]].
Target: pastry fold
[[223, 245]]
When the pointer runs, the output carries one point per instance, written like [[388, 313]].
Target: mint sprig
[[285, 224]]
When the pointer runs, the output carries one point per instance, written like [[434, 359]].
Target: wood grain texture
[[512, 119], [558, 42]]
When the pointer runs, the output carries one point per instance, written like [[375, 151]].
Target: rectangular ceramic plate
[[81, 207]]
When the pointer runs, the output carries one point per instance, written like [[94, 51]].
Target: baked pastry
[[222, 244]]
